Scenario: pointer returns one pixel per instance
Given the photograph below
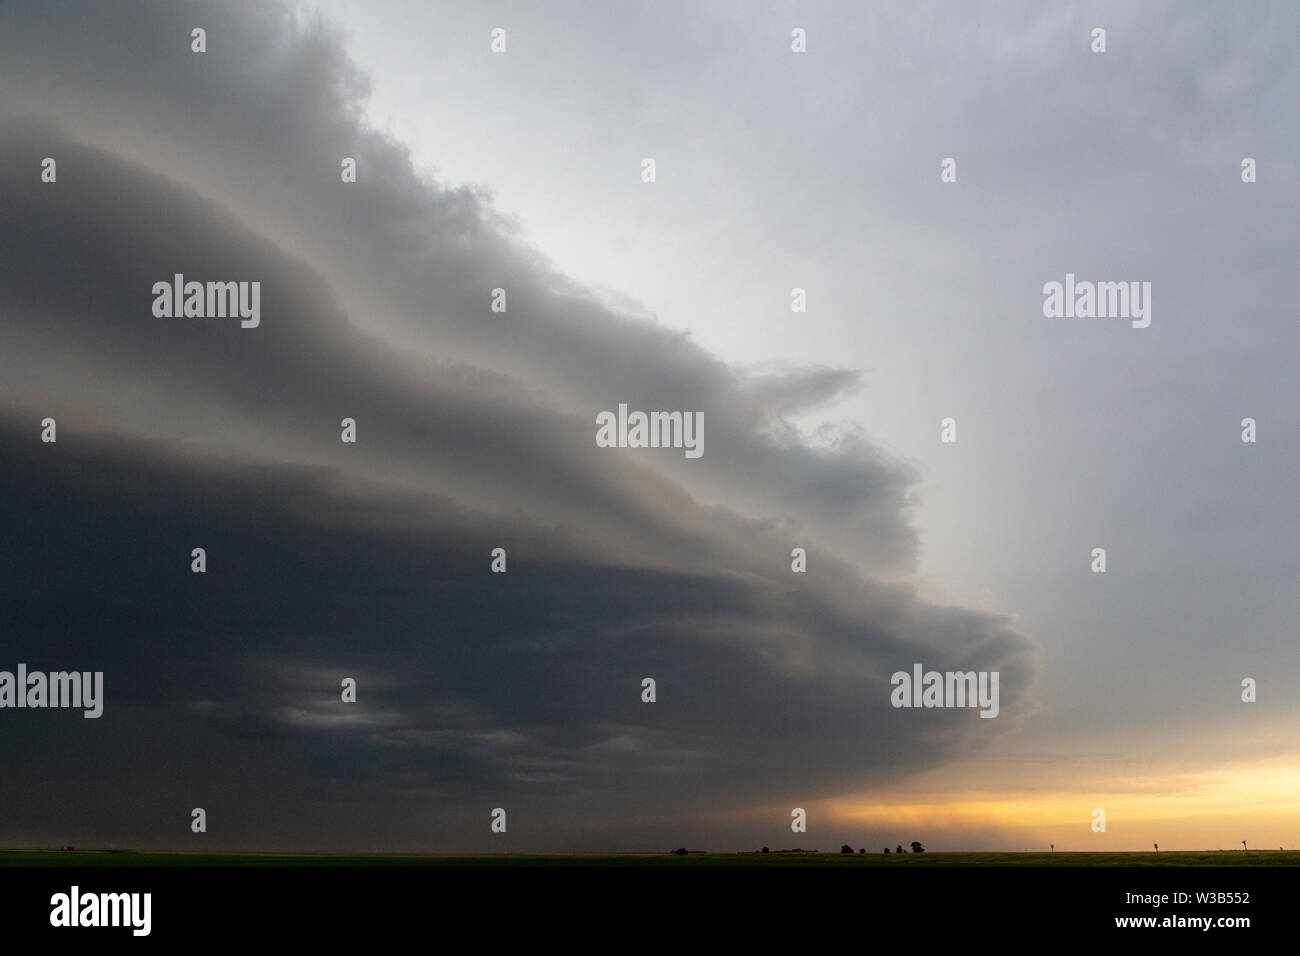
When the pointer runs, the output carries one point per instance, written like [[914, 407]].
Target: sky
[[774, 170]]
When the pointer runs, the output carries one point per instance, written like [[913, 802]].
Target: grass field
[[113, 858]]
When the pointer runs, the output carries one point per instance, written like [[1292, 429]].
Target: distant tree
[[886, 851], [680, 851], [917, 848], [846, 848], [765, 850], [863, 850], [899, 848], [1157, 846]]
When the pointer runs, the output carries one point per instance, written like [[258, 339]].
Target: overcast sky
[[774, 170]]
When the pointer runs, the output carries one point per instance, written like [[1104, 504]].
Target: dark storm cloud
[[330, 560], [473, 687]]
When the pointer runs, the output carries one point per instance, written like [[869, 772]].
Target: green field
[[113, 858]]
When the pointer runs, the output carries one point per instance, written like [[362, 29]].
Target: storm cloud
[[371, 560]]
